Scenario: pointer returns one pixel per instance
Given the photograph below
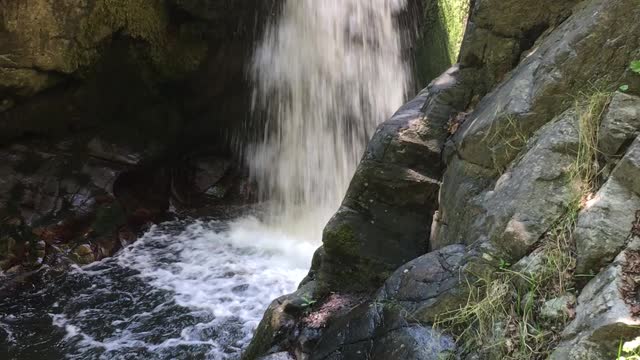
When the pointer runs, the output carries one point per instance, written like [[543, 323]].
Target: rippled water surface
[[183, 291]]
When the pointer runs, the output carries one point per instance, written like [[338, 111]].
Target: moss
[[141, 19], [453, 15], [444, 26], [345, 268], [171, 54], [178, 56], [341, 239], [263, 338]]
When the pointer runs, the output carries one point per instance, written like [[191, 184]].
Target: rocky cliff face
[[110, 110], [495, 216]]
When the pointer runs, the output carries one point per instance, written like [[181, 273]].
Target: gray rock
[[209, 171], [541, 86], [603, 317], [604, 227], [620, 124], [524, 201], [493, 139], [530, 264], [101, 149], [558, 308], [39, 181], [277, 324], [413, 343], [431, 284], [511, 18], [500, 31], [378, 331]]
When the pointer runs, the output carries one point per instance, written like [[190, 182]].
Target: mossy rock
[[444, 24], [346, 268]]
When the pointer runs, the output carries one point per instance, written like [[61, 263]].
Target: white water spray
[[326, 73]]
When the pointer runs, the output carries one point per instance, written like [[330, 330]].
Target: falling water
[[325, 73]]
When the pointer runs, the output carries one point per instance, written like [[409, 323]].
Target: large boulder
[[499, 32], [541, 86], [379, 331], [503, 122], [620, 125], [385, 217], [432, 284]]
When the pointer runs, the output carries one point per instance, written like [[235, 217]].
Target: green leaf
[[623, 88], [635, 66]]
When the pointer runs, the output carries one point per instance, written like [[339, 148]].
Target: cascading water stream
[[325, 74]]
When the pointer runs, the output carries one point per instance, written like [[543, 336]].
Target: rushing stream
[[326, 73], [185, 290]]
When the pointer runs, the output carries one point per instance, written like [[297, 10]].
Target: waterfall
[[325, 74]]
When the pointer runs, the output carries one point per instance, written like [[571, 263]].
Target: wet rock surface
[[71, 202]]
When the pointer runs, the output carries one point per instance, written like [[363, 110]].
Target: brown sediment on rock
[[635, 229], [334, 306], [630, 279]]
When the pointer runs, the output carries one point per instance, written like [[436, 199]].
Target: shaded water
[[183, 291]]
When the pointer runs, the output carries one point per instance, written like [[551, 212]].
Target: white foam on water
[[9, 335], [233, 272], [229, 271]]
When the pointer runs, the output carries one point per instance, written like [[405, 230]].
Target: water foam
[[207, 283], [233, 272]]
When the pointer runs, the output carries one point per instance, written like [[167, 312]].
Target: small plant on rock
[[307, 302], [635, 66]]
